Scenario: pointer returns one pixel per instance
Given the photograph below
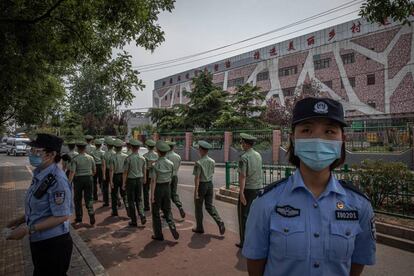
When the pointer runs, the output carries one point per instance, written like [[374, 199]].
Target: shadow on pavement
[[125, 231], [199, 241], [152, 249]]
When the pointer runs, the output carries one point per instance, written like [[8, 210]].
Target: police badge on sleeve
[[59, 197]]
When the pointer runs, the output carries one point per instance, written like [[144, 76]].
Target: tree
[[278, 114], [244, 110], [41, 40], [380, 10], [167, 119]]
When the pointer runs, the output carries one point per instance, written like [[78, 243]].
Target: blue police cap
[[309, 108]]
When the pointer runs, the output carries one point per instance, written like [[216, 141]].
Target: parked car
[[17, 146], [3, 144]]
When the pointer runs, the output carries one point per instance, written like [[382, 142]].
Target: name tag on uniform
[[346, 214], [287, 211]]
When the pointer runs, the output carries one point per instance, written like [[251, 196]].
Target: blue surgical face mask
[[35, 160], [316, 153]]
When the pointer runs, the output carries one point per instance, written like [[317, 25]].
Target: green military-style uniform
[[176, 159], [107, 158], [135, 167], [97, 155], [89, 147], [150, 157], [71, 154], [204, 168], [250, 165], [162, 171], [83, 165], [117, 166]]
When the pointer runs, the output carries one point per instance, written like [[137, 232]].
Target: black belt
[[162, 183], [206, 182], [118, 173]]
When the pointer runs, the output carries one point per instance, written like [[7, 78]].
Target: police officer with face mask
[[311, 223], [47, 210]]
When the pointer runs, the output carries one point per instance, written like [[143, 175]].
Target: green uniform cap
[[117, 143], [88, 137], [247, 137], [134, 142], [205, 145], [150, 143], [98, 142], [171, 143], [80, 142], [162, 146], [109, 141]]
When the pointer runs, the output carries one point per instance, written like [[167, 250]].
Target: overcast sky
[[198, 25]]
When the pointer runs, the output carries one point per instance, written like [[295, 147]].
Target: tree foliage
[[41, 40], [380, 10]]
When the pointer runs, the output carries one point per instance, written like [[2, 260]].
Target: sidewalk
[[15, 257]]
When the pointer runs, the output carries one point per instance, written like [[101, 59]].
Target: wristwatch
[[32, 229]]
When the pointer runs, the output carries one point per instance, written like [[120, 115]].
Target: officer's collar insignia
[[287, 211], [59, 197], [346, 214], [340, 205], [321, 108]]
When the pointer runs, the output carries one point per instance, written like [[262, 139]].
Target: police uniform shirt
[[301, 235], [98, 155], [57, 201], [163, 170], [250, 165], [117, 162], [82, 164], [176, 159], [204, 168], [150, 155], [135, 165]]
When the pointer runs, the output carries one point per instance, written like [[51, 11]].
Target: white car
[[17, 146]]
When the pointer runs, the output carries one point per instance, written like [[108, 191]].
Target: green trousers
[[97, 178], [117, 179], [162, 198], [82, 186], [134, 196], [243, 211], [174, 196], [146, 190], [205, 195]]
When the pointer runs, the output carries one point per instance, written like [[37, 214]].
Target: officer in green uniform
[[105, 169], [129, 147], [161, 174], [250, 180], [98, 154], [176, 159], [203, 176], [134, 174], [150, 157], [89, 147], [72, 153], [82, 170], [116, 172]]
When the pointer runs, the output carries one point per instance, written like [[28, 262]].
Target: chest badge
[[346, 214], [340, 205], [287, 211]]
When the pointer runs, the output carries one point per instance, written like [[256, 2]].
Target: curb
[[191, 163], [92, 262]]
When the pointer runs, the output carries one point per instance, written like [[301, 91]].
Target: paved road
[[390, 261]]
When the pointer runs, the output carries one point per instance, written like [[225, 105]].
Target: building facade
[[367, 67]]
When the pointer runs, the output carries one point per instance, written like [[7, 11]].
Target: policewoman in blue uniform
[[47, 210], [311, 223]]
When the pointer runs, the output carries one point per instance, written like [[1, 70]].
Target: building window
[[262, 76], [372, 104], [328, 83], [321, 63], [348, 58], [371, 79], [287, 71], [288, 92], [235, 82], [351, 82]]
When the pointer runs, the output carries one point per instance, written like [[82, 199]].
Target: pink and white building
[[368, 67]]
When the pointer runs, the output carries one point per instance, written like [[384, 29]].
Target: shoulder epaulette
[[271, 186], [350, 186]]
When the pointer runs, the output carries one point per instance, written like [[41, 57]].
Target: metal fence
[[398, 201], [215, 138], [177, 137], [264, 138]]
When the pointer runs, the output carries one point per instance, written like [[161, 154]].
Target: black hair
[[71, 146], [57, 158]]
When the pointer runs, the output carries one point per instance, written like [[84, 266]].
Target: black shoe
[[197, 231], [114, 214], [92, 219], [119, 203], [174, 232], [143, 220], [239, 245], [95, 198], [78, 221], [182, 213], [157, 238], [222, 229], [132, 224], [105, 205]]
